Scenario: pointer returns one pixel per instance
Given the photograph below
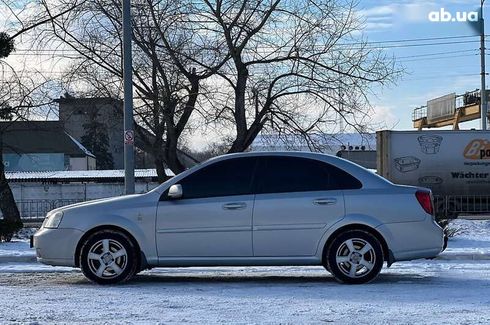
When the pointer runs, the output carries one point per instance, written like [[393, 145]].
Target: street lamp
[[128, 100]]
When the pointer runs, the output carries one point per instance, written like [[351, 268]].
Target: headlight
[[53, 220]]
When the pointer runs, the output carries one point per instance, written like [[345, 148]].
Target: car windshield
[[187, 171]]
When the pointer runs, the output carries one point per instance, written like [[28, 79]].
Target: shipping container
[[455, 165]]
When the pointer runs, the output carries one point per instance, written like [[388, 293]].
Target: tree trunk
[[158, 158], [171, 157], [160, 167], [8, 207], [239, 114], [11, 216], [174, 132]]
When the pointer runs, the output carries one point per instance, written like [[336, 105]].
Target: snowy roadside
[[471, 242], [18, 249]]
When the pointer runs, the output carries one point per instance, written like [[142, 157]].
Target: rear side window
[[224, 178], [294, 174]]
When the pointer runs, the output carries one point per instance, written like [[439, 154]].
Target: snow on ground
[[431, 292], [425, 291], [472, 236], [16, 248]]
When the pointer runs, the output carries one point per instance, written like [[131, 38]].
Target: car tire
[[109, 257], [354, 257]]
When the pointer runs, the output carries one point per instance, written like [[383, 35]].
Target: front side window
[[294, 174], [223, 178]]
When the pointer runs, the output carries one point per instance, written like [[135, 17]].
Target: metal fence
[[419, 113], [36, 210], [450, 206]]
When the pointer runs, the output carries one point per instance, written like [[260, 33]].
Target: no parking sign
[[128, 137]]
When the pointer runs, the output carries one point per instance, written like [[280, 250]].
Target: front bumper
[[56, 246]]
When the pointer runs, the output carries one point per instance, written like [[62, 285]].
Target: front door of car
[[297, 199], [213, 218]]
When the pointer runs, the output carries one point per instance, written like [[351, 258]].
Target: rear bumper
[[414, 240], [56, 246]]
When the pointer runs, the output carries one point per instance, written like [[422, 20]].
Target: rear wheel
[[354, 257], [108, 256]]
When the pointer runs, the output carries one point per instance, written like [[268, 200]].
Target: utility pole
[[128, 100], [483, 95], [341, 105]]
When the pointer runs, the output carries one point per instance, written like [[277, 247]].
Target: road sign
[[129, 137]]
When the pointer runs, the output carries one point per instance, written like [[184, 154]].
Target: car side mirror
[[175, 191]]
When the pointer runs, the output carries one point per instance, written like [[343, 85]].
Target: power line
[[424, 39], [443, 76], [440, 58], [339, 44], [424, 44], [436, 53]]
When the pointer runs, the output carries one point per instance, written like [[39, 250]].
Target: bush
[[450, 230], [443, 223], [8, 229]]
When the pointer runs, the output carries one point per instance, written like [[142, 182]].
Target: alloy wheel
[[355, 258], [107, 258]]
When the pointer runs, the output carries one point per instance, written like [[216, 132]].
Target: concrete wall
[[73, 191]]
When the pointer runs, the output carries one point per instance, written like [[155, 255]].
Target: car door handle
[[325, 201], [235, 206]]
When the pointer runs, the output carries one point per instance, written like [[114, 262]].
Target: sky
[[438, 58], [433, 67]]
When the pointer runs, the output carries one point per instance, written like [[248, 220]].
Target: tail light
[[425, 200]]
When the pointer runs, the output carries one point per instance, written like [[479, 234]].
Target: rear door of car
[[296, 199], [214, 216]]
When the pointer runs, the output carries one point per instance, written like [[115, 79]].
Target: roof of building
[[88, 100], [81, 175], [22, 137], [328, 142]]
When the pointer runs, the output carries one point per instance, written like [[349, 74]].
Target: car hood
[[93, 203], [89, 214]]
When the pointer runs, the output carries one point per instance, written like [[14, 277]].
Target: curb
[[464, 256], [18, 259]]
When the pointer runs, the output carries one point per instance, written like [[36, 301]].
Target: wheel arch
[[142, 263], [358, 226]]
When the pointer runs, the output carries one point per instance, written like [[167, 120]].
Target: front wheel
[[108, 257], [354, 257]]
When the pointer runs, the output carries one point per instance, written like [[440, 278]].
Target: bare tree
[[16, 101], [252, 66], [167, 83], [290, 60]]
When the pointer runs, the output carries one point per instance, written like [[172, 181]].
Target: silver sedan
[[279, 208]]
